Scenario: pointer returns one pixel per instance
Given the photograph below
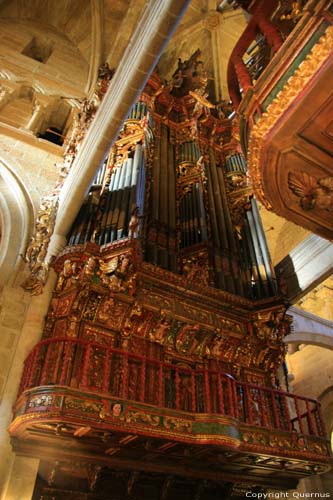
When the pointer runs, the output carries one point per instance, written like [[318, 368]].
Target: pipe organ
[[181, 178], [162, 344]]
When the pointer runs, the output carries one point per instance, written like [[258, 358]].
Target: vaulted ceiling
[[83, 34]]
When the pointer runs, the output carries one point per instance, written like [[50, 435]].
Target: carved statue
[[68, 274], [89, 268], [115, 274], [81, 299], [293, 12], [76, 136], [161, 330], [124, 263], [202, 105], [133, 226], [177, 80], [148, 135], [272, 326], [87, 113], [186, 339], [188, 67], [217, 345], [106, 309], [105, 73]]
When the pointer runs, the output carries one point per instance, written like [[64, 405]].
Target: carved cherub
[[124, 264], [314, 193], [161, 330]]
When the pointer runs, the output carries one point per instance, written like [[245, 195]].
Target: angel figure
[[107, 268], [147, 133], [202, 105], [133, 226], [314, 193]]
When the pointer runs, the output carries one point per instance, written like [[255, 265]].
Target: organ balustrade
[[108, 371]]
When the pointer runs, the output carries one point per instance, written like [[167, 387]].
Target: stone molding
[[307, 264]]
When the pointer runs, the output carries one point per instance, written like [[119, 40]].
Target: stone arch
[[309, 329], [17, 209], [310, 338]]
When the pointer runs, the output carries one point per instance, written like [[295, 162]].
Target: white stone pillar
[[154, 29], [28, 333], [22, 478], [56, 245]]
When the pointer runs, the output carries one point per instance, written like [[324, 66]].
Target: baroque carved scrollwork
[[37, 248]]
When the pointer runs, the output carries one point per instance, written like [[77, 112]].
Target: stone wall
[[34, 163], [21, 325]]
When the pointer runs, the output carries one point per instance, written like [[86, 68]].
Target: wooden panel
[[296, 161], [319, 129]]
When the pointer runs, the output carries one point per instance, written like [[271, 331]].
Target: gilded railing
[[107, 371]]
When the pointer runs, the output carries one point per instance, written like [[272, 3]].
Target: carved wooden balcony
[[279, 80], [106, 404]]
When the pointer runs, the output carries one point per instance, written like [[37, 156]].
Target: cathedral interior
[[166, 262]]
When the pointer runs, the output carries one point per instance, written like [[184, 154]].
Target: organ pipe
[[187, 203]]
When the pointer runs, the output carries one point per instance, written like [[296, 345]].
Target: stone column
[[56, 245], [312, 484], [38, 114], [23, 320], [5, 95], [157, 24], [22, 478]]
